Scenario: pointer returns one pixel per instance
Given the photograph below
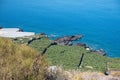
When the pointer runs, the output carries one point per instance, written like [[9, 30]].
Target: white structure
[[14, 32], [87, 49], [10, 29]]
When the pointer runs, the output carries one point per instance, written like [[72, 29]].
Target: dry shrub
[[20, 62], [115, 73], [57, 73], [95, 76], [77, 77]]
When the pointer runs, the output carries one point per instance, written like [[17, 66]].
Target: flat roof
[[14, 32]]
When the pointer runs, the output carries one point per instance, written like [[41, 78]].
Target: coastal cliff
[[68, 57]]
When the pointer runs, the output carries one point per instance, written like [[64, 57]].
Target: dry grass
[[20, 62], [59, 74], [115, 73]]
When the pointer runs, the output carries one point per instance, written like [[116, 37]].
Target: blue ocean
[[97, 20]]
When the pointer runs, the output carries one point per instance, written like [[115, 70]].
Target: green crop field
[[69, 56]]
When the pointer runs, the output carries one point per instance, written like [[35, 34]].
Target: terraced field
[[69, 56]]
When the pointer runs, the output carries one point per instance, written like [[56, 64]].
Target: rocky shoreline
[[68, 40], [65, 41]]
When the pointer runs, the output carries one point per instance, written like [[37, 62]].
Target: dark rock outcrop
[[20, 30], [101, 52], [42, 33], [76, 37], [67, 40], [1, 27]]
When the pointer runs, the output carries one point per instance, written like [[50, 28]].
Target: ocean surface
[[97, 20]]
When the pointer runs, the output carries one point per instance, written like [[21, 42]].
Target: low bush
[[20, 62]]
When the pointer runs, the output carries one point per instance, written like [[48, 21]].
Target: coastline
[[66, 40], [62, 52], [77, 42]]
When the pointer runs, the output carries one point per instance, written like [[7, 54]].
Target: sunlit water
[[97, 20]]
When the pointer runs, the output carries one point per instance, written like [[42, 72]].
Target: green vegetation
[[20, 62], [69, 56], [40, 44], [114, 63]]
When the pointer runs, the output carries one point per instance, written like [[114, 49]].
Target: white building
[[14, 32]]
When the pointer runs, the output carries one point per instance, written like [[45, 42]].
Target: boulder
[[76, 37], [88, 49], [67, 40], [81, 44], [101, 52], [42, 33]]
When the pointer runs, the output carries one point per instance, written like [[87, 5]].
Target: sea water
[[97, 20]]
